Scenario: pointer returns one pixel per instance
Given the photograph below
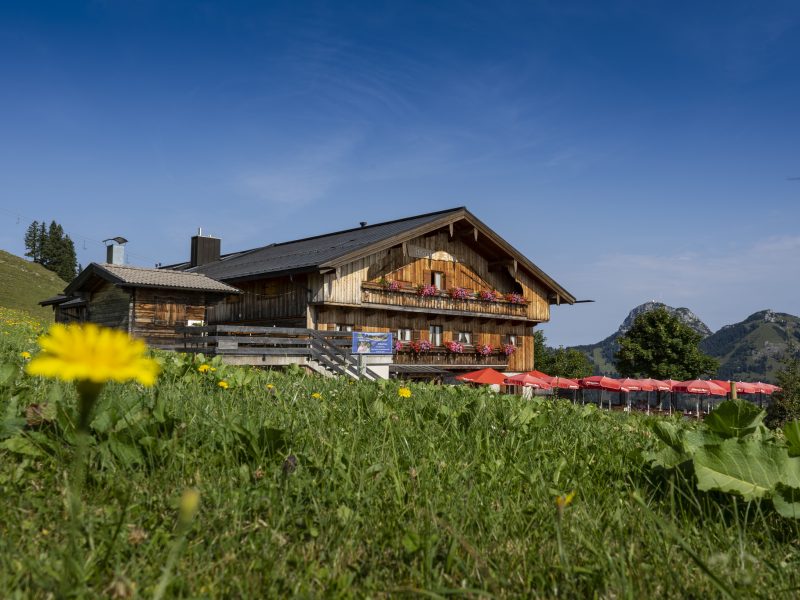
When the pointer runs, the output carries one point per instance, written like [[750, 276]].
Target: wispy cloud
[[300, 177]]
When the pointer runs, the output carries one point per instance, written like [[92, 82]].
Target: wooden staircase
[[324, 352]]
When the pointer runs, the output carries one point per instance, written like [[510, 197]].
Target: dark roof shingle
[[311, 253]]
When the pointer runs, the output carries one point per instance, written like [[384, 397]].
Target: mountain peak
[[686, 316]]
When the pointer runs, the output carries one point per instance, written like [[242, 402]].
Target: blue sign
[[372, 343]]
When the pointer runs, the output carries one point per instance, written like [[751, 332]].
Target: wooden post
[[733, 390]]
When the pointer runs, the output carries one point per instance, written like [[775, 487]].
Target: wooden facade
[[378, 292], [131, 299]]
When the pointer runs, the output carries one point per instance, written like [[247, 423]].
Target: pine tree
[[57, 251], [33, 242]]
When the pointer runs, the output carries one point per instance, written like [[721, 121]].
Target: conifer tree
[[33, 242]]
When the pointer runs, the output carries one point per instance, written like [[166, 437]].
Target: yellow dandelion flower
[[223, 385], [565, 500], [316, 396], [203, 368], [86, 352], [25, 355], [270, 386], [404, 392]]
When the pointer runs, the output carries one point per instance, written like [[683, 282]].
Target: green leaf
[[734, 419], [786, 501], [666, 457], [669, 433], [21, 444], [749, 468], [792, 432]]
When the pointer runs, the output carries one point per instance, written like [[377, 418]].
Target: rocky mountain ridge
[[748, 350]]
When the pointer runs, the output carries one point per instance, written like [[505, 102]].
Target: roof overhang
[[556, 293]]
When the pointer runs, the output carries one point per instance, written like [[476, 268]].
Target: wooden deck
[[321, 351]]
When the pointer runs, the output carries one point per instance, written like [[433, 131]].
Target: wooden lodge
[[454, 293], [147, 303]]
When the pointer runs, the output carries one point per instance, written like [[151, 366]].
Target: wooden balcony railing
[[441, 356], [372, 293]]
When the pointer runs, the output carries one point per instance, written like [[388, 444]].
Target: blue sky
[[633, 150]]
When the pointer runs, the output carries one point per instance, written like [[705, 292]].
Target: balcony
[[448, 360], [375, 295]]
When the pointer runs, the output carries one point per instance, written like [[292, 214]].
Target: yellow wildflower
[[316, 396], [563, 501], [212, 369], [86, 352], [270, 386], [223, 384], [25, 355], [404, 392], [203, 368]]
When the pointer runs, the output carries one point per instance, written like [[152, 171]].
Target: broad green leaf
[[693, 439], [734, 419], [749, 468], [670, 434], [666, 457], [786, 501], [21, 444], [792, 432]]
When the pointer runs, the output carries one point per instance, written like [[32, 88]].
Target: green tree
[[57, 251], [564, 362], [659, 345], [33, 242], [784, 406]]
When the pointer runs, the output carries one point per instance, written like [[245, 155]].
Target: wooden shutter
[[427, 277]]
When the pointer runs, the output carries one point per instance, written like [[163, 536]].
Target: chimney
[[362, 223], [115, 251], [205, 249]]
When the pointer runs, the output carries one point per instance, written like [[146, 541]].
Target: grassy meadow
[[313, 487], [25, 284]]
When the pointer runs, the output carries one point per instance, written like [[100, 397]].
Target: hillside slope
[[23, 284], [751, 350]]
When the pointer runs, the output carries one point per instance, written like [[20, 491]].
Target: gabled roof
[[127, 276], [313, 253], [333, 250]]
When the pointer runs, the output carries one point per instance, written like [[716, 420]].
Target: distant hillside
[[602, 353], [751, 350], [23, 284], [748, 351]]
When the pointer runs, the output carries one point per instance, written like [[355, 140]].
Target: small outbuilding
[[147, 303]]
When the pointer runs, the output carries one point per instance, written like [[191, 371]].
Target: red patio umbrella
[[657, 384], [563, 383], [741, 386], [635, 385], [601, 382], [765, 388], [700, 386], [528, 380], [483, 376]]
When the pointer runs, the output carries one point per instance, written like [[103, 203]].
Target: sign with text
[[372, 343]]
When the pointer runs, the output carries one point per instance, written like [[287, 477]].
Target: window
[[511, 339], [435, 335], [404, 335], [437, 279], [463, 337], [343, 327]]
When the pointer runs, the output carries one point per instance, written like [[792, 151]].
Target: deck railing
[[441, 302], [331, 349]]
